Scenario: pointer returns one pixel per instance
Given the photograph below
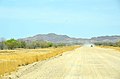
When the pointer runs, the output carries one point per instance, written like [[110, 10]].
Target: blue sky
[[76, 18]]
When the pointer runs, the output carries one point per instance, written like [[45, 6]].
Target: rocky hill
[[52, 37], [106, 39]]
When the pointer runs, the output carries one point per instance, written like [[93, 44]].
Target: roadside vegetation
[[10, 60], [12, 44], [15, 53], [115, 45]]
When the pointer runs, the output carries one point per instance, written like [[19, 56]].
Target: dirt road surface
[[82, 63]]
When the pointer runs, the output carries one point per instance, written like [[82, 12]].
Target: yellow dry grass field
[[10, 60], [111, 47]]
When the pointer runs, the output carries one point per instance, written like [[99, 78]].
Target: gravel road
[[81, 63]]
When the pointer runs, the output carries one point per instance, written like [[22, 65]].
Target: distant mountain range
[[52, 37], [114, 38]]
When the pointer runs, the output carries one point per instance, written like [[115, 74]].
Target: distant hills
[[55, 38], [106, 39]]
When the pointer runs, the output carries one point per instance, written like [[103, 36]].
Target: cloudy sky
[[76, 18]]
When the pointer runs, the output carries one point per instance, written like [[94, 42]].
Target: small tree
[[50, 44], [12, 43], [2, 44], [21, 44], [118, 43]]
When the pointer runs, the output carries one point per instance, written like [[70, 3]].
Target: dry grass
[[10, 60], [111, 47]]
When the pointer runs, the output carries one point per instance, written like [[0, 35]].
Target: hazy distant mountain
[[106, 39], [52, 37]]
